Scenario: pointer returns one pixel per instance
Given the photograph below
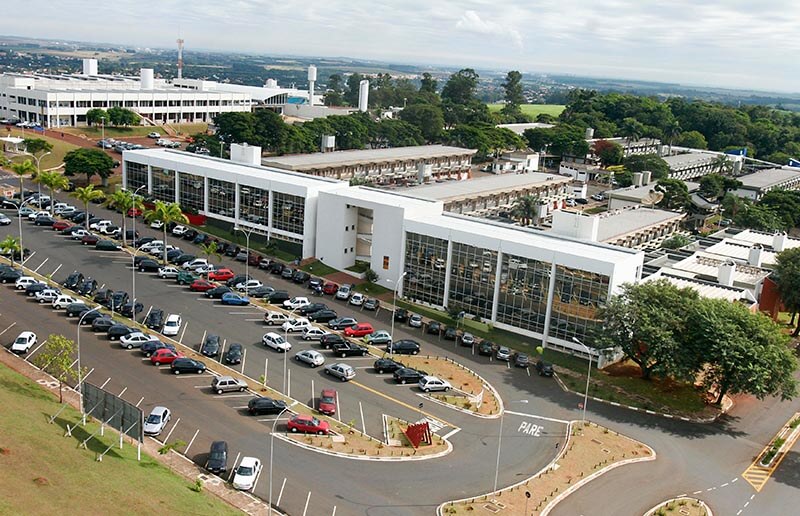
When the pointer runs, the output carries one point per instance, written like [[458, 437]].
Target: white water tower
[[312, 78], [363, 96]]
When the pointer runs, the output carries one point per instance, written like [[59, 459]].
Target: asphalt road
[[691, 457]]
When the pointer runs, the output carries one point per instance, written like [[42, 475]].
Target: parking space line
[[40, 265], [280, 494], [9, 327], [308, 499], [272, 420]]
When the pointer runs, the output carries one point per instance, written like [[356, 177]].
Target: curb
[[363, 458], [704, 505]]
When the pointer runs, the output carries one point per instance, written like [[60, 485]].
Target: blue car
[[231, 298]]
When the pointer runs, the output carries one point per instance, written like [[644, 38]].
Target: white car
[[155, 135], [205, 269], [296, 302], [149, 246], [62, 301], [24, 343], [357, 299], [313, 333], [80, 233], [47, 295], [276, 342], [248, 285], [168, 272], [197, 262], [179, 230], [35, 214], [157, 420], [157, 224], [160, 250], [99, 225], [432, 383], [300, 324], [311, 357], [24, 282], [172, 325], [135, 340], [343, 292], [246, 474]]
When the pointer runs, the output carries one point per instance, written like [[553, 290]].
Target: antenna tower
[[180, 58]]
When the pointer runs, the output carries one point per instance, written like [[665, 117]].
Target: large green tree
[[333, 95], [609, 153], [739, 351], [53, 181], [87, 194], [514, 98], [122, 117], [693, 140], [716, 186], [645, 321], [97, 116], [37, 146], [427, 117], [676, 194], [353, 85], [526, 209], [22, 169], [56, 358], [787, 277], [92, 162]]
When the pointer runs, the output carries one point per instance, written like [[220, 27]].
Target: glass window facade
[[577, 295], [163, 184], [221, 198], [425, 267], [288, 212], [254, 205], [192, 191], [472, 279], [522, 300], [136, 175]]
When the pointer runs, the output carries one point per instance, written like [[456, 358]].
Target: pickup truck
[[348, 349]]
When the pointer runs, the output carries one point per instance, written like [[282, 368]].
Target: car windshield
[[154, 419], [327, 399], [244, 471], [21, 340], [279, 340]]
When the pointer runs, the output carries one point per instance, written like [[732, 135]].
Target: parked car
[[211, 345], [327, 402], [330, 289], [23, 343], [485, 348], [63, 301], [222, 384], [311, 308], [276, 342], [308, 425], [296, 325], [275, 268], [372, 304], [149, 265], [300, 277], [129, 309], [357, 299], [261, 406], [311, 357], [217, 292], [415, 321], [400, 314], [234, 354], [434, 328], [287, 273], [404, 347], [273, 318], [201, 285], [117, 331], [349, 349], [102, 323], [432, 383], [187, 365], [165, 356], [467, 339], [220, 275], [24, 282], [323, 316], [521, 360], [148, 348], [344, 372], [232, 298], [155, 319], [329, 340], [135, 340], [544, 368], [313, 333], [76, 308], [217, 461], [406, 375], [378, 337], [186, 278], [261, 292], [343, 292], [157, 420], [107, 245], [277, 297], [88, 287], [296, 303], [246, 474], [386, 365], [502, 353], [450, 333], [359, 330], [341, 323]]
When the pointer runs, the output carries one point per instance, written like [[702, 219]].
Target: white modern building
[[538, 284], [271, 94], [63, 100], [516, 162], [755, 185]]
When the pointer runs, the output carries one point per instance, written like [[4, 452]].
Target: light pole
[[19, 220], [247, 233], [80, 379], [588, 376], [39, 171], [103, 131], [135, 250], [394, 305], [500, 442], [271, 449]]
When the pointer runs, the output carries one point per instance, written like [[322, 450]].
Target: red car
[[134, 212], [327, 402], [165, 356], [330, 288], [254, 259], [90, 239], [308, 425], [220, 275], [61, 225], [201, 285], [359, 330]]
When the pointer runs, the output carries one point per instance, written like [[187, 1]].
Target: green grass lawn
[[317, 268], [47, 473], [52, 160], [371, 289], [534, 109]]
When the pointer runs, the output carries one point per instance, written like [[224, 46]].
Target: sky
[[729, 43]]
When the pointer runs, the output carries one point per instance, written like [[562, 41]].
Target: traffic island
[[680, 507], [590, 451]]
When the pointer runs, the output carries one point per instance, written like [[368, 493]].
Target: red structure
[[417, 433]]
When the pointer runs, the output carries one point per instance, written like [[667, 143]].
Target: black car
[[315, 283], [10, 275], [117, 300], [190, 234], [400, 314], [103, 296], [323, 316], [544, 368], [239, 278], [183, 258], [88, 316], [151, 346], [521, 360], [78, 218], [173, 254], [71, 230], [371, 304], [217, 461], [155, 319], [73, 309], [329, 340], [234, 354], [217, 292], [8, 204], [187, 365], [119, 330], [210, 347], [44, 220], [434, 328], [278, 297], [288, 273], [311, 308], [103, 323], [137, 260], [450, 333], [88, 287], [408, 375], [200, 238], [73, 280], [341, 323], [143, 240], [128, 309], [301, 277], [403, 347], [260, 292], [485, 348], [232, 250], [261, 406], [131, 235], [33, 288], [148, 265], [386, 365], [349, 349], [275, 267]]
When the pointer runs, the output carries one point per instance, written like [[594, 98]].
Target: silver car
[[310, 357], [341, 371]]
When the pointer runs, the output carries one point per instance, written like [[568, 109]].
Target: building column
[[549, 311], [236, 214], [150, 179], [496, 294], [269, 215], [448, 266], [205, 195], [177, 188]]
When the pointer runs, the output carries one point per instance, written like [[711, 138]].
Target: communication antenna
[[180, 57], [652, 198]]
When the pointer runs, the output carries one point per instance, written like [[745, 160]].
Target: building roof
[[691, 158], [632, 193], [705, 288], [768, 178], [521, 128], [751, 236], [619, 223], [320, 160], [703, 264], [454, 190]]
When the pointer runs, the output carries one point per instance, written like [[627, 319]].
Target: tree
[[761, 218], [53, 181], [676, 194], [460, 87], [658, 168], [87, 194], [124, 201], [122, 117], [428, 84], [526, 209], [11, 246], [55, 358], [787, 277], [90, 162], [675, 242], [609, 153], [427, 117], [693, 140], [513, 96], [740, 351], [211, 250], [22, 169], [235, 127], [352, 91], [722, 165], [333, 96], [97, 116], [646, 321], [167, 213], [671, 132], [37, 146], [397, 133], [632, 130]]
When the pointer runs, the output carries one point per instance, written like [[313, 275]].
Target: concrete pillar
[[496, 294], [549, 310], [449, 262]]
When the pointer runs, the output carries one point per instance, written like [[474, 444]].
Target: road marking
[[272, 420], [698, 492], [363, 426], [278, 501], [451, 433], [186, 450], [535, 416], [308, 499], [172, 429], [756, 474], [40, 265], [261, 319], [403, 404]]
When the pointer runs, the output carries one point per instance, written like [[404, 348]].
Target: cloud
[[471, 22]]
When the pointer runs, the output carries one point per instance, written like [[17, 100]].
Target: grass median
[[47, 473]]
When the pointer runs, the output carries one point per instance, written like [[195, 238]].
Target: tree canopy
[[787, 277], [88, 161]]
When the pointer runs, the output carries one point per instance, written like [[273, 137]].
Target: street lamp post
[[271, 450], [247, 233], [394, 305], [588, 376], [103, 130], [500, 443], [80, 374], [19, 220], [39, 171]]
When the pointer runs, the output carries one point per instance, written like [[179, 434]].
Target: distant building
[[521, 128], [755, 185], [629, 148], [579, 171], [516, 161], [692, 165], [633, 227]]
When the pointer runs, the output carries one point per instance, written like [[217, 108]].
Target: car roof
[[159, 410], [173, 317], [248, 462], [26, 334]]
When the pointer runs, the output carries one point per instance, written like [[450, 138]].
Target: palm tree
[[721, 164], [211, 250], [526, 209], [22, 169], [167, 214], [124, 201], [87, 194], [53, 181], [672, 131], [631, 130], [11, 245]]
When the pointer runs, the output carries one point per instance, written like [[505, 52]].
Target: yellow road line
[[406, 405], [758, 475]]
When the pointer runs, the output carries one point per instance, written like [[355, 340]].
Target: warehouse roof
[[319, 160]]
